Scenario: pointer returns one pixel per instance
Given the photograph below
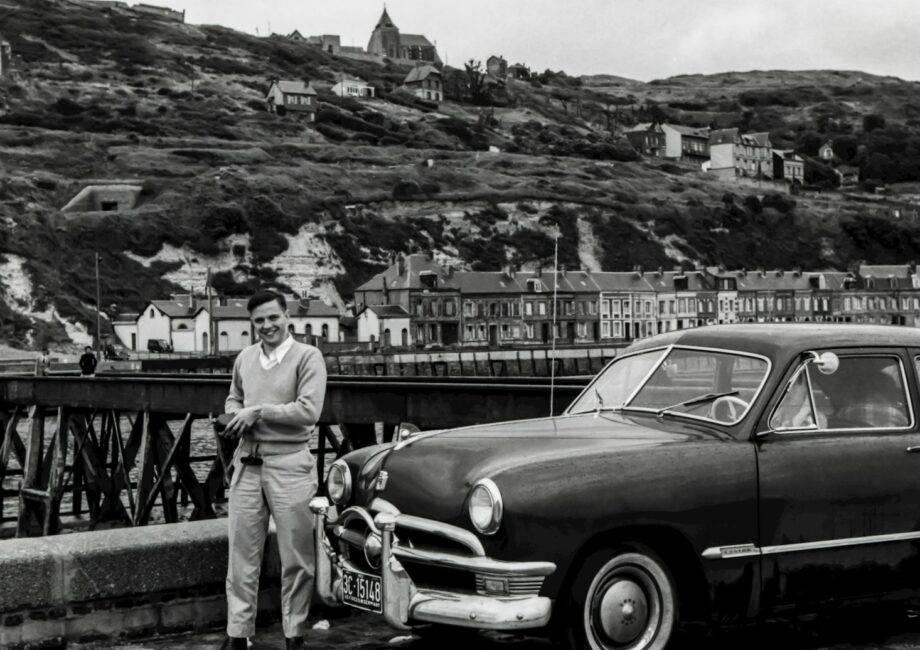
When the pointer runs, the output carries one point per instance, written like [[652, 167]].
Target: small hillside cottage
[[353, 87], [425, 83], [648, 139], [788, 166], [294, 96], [497, 66]]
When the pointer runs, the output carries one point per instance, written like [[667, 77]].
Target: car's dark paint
[[825, 486], [566, 480]]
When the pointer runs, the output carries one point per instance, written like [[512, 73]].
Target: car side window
[[795, 410], [864, 392]]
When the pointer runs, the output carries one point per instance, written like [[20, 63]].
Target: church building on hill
[[386, 40]]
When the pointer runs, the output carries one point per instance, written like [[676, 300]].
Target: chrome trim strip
[[726, 351], [749, 550], [733, 551], [815, 429], [476, 564], [453, 533], [842, 542]]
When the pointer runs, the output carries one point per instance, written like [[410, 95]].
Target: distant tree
[[817, 173], [808, 142], [475, 82], [877, 165], [873, 121], [846, 147]]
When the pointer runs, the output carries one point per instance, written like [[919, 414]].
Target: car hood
[[432, 474]]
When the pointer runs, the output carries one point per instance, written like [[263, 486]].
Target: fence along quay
[[122, 442]]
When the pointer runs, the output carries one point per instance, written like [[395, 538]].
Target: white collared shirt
[[275, 356]]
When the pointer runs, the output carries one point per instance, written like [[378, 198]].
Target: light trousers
[[281, 487]]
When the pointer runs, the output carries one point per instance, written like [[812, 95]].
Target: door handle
[[913, 450]]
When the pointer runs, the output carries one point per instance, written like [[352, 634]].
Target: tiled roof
[[420, 73], [761, 139], [178, 308], [312, 308], [723, 136], [230, 312], [472, 282], [414, 264], [126, 318], [385, 20], [414, 39], [295, 87], [773, 281], [690, 130], [389, 311], [884, 270]]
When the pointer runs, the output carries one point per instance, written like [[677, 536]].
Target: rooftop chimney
[[400, 265]]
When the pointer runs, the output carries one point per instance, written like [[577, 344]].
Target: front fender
[[704, 491]]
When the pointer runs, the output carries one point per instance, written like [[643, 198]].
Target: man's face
[[270, 322]]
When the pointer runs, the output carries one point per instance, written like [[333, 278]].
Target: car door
[[839, 491]]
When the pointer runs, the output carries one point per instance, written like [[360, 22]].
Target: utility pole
[[98, 303]]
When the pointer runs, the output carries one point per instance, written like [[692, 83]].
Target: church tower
[[385, 38]]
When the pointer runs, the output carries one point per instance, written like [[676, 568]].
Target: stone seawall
[[119, 584]]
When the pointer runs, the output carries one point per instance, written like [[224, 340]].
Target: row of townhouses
[[417, 301]]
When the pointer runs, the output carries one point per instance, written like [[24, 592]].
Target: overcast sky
[[641, 39]]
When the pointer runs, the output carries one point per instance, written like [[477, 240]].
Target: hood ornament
[[382, 479]]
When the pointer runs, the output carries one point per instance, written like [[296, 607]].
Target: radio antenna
[[552, 363]]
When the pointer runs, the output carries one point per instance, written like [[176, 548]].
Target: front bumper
[[404, 603]]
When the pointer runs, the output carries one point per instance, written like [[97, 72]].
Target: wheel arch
[[674, 549]]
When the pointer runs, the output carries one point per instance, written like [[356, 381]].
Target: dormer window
[[814, 282], [681, 283], [428, 279], [534, 286]]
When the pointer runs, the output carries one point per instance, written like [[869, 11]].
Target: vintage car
[[714, 474]]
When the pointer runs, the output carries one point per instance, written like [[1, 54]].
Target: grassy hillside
[[262, 199]]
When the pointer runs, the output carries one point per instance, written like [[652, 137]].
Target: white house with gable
[[388, 324]]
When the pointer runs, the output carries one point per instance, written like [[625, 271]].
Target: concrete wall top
[[82, 567]]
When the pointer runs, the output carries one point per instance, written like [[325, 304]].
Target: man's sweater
[[290, 394]]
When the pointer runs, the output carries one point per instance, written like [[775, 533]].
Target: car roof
[[779, 341]]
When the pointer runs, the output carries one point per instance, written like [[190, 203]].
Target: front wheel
[[621, 600]]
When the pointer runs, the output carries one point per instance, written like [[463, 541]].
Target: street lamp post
[[98, 303]]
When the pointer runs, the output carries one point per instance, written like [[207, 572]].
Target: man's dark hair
[[88, 348], [263, 297]]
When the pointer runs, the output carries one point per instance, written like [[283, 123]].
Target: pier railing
[[122, 443]]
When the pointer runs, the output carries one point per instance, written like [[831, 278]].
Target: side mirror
[[826, 362], [406, 430]]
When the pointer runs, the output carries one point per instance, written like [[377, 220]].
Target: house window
[[469, 333], [541, 308], [616, 329], [616, 308], [592, 307], [534, 286], [528, 308], [449, 308], [605, 309], [605, 329], [467, 308]]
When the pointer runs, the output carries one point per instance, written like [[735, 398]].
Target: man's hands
[[242, 422]]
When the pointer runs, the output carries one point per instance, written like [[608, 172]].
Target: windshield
[[707, 384]]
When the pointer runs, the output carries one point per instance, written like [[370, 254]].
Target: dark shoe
[[294, 643], [234, 643]]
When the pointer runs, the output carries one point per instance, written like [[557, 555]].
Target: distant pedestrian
[[276, 397], [88, 362], [43, 362]]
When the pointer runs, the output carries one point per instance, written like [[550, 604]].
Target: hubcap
[[623, 611]]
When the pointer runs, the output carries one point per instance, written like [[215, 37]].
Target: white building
[[388, 324], [353, 87], [313, 317]]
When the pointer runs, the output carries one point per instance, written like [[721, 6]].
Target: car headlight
[[338, 483], [485, 507]]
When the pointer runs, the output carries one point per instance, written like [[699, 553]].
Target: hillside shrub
[[332, 132], [752, 203], [778, 201]]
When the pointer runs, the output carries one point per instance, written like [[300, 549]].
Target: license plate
[[361, 590]]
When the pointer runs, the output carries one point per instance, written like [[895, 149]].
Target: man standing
[[88, 362], [276, 396]]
